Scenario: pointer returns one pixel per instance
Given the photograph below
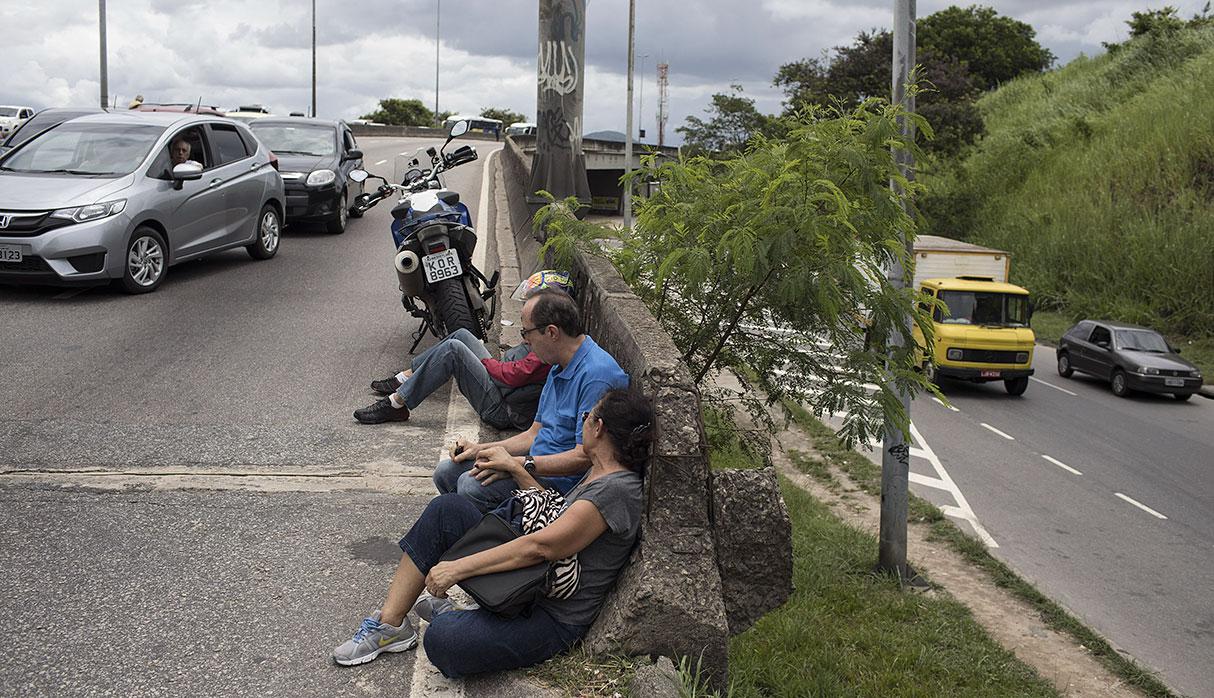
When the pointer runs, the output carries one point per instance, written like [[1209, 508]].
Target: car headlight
[[319, 178], [92, 212], [1150, 371], [953, 354], [1195, 374], [1022, 357]]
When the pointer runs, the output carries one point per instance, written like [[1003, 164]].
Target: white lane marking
[[1062, 465], [1062, 390], [927, 481], [462, 420], [1142, 506], [1009, 438], [945, 406], [962, 510], [381, 162]]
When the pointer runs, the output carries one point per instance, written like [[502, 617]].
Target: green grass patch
[[1049, 326], [727, 448], [868, 477], [579, 673], [849, 632]]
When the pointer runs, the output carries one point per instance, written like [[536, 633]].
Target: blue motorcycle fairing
[[405, 223]]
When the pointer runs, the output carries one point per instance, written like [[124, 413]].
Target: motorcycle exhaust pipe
[[406, 262]]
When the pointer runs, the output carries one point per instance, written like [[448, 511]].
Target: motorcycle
[[434, 238]]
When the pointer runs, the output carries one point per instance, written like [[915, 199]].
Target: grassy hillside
[[1099, 178]]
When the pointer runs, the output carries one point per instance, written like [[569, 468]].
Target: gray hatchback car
[[102, 198]]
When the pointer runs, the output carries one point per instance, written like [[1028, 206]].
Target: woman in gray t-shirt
[[599, 524]]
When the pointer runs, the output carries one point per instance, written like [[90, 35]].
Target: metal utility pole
[[641, 100], [663, 101], [313, 59], [105, 71], [438, 16], [632, 16], [895, 453]]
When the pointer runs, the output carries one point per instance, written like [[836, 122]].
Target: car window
[[1080, 331], [77, 149], [1142, 340], [193, 136], [228, 145], [250, 141], [350, 142], [292, 139], [1100, 334]]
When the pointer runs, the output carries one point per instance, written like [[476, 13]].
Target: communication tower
[[663, 101]]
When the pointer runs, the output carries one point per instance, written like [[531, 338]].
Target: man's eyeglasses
[[523, 332], [586, 415]]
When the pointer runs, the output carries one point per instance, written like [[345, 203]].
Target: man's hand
[[493, 464], [442, 577], [464, 450]]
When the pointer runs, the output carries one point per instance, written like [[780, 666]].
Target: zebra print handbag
[[540, 508]]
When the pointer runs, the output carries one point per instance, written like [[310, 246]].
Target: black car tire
[[150, 243], [337, 224], [1016, 386], [1121, 387], [1064, 365], [1182, 396], [267, 235], [454, 313]]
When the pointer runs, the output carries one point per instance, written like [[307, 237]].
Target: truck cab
[[981, 325]]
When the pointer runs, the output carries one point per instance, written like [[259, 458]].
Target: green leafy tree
[[1163, 21], [995, 49], [506, 116], [733, 121], [402, 112], [772, 262]]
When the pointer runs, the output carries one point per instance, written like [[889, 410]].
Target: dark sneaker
[[374, 638], [428, 606], [385, 387], [380, 412]]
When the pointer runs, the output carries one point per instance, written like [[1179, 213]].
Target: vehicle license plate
[[1174, 382], [444, 265], [10, 253], [990, 374]]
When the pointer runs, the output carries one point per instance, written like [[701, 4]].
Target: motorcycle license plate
[[443, 265], [990, 374], [10, 253], [1174, 382]]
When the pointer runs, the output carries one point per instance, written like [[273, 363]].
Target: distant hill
[[1099, 179]]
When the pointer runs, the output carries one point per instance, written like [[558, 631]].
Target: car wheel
[[1121, 388], [269, 231], [147, 258], [1016, 386], [1182, 396], [1064, 365], [929, 372], [337, 224]]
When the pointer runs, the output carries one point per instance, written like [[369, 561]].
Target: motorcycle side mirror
[[458, 129], [359, 175]]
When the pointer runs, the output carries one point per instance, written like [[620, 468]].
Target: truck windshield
[[982, 308]]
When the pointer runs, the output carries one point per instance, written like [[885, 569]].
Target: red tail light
[[437, 247]]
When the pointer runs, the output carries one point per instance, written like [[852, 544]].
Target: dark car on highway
[[315, 158], [1130, 357]]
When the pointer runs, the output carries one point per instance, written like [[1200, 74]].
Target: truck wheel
[[337, 224], [453, 310], [1064, 365], [1120, 387], [1016, 386]]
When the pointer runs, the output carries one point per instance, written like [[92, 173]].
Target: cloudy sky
[[230, 52]]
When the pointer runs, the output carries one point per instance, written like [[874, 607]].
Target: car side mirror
[[358, 175], [1174, 349], [185, 172], [352, 155]]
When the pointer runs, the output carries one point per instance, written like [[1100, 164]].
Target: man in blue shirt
[[551, 450]]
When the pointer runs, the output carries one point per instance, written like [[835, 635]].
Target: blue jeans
[[453, 478], [460, 643], [457, 356]]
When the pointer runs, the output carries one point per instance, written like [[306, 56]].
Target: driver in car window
[[179, 153]]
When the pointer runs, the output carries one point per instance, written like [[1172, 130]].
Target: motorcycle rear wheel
[[453, 311]]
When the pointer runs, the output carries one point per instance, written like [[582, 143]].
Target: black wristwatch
[[529, 464]]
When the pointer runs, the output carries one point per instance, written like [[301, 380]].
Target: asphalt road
[[1141, 580], [187, 504]]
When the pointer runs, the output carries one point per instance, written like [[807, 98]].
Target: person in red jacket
[[504, 393]]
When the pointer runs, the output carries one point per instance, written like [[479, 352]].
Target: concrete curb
[[1206, 391]]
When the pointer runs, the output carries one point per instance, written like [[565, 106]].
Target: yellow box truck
[[984, 334]]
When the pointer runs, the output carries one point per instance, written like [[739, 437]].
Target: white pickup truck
[[12, 117]]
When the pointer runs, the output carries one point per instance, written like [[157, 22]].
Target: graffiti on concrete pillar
[[558, 67], [559, 167], [901, 453]]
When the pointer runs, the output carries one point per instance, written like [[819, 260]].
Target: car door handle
[[254, 166], [215, 182]]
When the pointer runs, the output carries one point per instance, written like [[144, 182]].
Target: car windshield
[[981, 308], [1140, 340], [296, 140], [8, 111], [86, 149]]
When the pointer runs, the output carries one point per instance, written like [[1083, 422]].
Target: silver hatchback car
[[126, 195]]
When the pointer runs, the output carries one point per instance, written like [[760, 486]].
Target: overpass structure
[[605, 166]]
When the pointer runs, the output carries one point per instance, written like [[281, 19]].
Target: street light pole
[[438, 16], [641, 100], [105, 71], [632, 11], [313, 59], [895, 453]]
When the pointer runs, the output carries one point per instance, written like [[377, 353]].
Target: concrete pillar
[[560, 166]]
